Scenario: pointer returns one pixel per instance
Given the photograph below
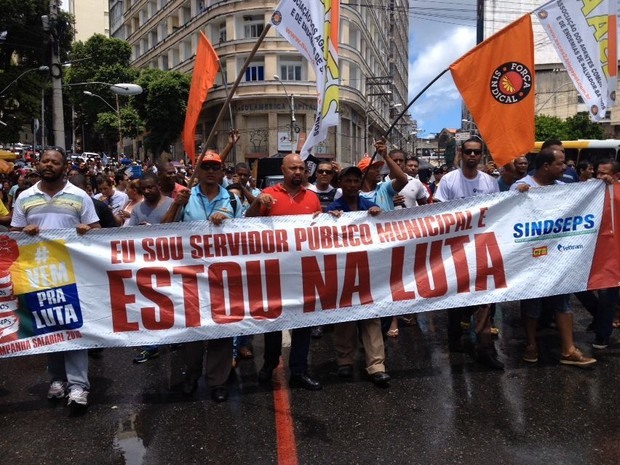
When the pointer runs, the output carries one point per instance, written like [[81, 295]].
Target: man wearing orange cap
[[207, 201], [383, 193]]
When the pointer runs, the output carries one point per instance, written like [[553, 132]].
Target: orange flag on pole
[[206, 66], [496, 81]]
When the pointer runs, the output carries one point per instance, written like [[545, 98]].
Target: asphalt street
[[440, 408]]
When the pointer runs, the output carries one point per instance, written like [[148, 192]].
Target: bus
[[585, 149]]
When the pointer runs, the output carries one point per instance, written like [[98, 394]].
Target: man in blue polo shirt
[[208, 201], [381, 193]]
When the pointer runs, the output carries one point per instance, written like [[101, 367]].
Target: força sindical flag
[[311, 26], [496, 81], [585, 34]]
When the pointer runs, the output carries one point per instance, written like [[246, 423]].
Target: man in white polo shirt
[[55, 203]]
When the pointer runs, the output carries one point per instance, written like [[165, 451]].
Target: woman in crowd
[[135, 197]]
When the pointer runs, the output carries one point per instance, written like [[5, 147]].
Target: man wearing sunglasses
[[322, 187], [468, 181], [207, 201]]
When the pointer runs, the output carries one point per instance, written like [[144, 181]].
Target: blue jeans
[[532, 308]]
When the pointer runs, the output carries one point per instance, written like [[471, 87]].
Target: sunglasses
[[325, 171], [210, 167], [472, 151]]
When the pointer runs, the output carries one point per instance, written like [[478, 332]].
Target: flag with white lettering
[[496, 81], [584, 35], [311, 26]]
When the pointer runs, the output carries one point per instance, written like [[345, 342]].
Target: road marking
[[285, 430]]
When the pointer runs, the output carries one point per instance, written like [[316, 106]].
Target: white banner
[[584, 35], [312, 26], [190, 281]]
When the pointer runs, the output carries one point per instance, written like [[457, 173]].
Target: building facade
[[91, 17], [556, 95], [373, 55]]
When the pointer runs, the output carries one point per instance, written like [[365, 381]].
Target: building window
[[255, 73], [252, 28], [222, 31], [290, 72]]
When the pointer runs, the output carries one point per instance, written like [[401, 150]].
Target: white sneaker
[[78, 395], [57, 390]]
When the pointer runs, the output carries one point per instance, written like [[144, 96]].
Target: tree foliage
[[578, 126], [162, 107], [26, 46], [104, 60], [25, 39], [106, 125]]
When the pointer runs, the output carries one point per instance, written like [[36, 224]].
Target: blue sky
[[439, 33]]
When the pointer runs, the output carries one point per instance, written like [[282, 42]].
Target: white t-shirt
[[456, 186], [530, 181], [413, 191]]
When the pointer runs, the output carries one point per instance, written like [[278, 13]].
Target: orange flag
[[206, 66], [496, 81]]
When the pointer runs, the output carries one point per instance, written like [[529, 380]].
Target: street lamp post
[[40, 68], [118, 89], [116, 110], [291, 101]]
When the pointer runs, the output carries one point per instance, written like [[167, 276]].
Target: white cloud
[[430, 60]]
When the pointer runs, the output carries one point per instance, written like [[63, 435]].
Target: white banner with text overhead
[[311, 26], [584, 33], [190, 281]]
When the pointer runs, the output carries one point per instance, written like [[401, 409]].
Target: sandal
[[616, 324], [410, 320], [494, 331], [392, 333]]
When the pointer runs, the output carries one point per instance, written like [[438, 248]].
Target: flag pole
[[174, 209], [229, 97], [402, 113], [232, 124]]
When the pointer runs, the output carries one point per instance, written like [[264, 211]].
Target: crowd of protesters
[[127, 195]]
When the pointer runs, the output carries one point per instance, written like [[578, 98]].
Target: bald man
[[288, 198]]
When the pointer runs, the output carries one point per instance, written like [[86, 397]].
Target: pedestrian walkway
[[440, 408]]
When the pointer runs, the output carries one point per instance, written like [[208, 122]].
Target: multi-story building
[[556, 95], [91, 17], [373, 65]]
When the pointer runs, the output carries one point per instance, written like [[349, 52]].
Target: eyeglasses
[[325, 171], [210, 167], [472, 151]]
